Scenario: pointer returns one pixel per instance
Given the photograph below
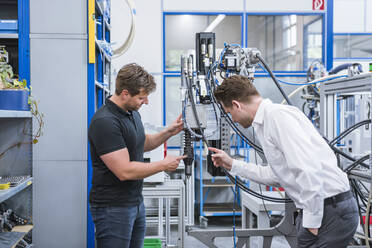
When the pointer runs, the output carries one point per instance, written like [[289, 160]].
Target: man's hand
[[314, 231], [176, 126], [220, 158], [171, 162]]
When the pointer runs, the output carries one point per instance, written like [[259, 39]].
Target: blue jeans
[[122, 227]]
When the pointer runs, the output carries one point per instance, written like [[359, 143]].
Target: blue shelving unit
[[103, 51], [14, 35], [99, 74]]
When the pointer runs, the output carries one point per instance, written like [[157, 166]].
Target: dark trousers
[[122, 227], [340, 221]]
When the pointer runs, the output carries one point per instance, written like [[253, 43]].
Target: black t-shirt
[[112, 129]]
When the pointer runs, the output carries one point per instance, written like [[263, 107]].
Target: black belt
[[337, 198]]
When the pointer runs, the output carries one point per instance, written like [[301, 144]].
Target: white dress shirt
[[299, 160]]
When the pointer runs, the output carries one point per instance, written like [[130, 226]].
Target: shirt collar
[[259, 117], [116, 108]]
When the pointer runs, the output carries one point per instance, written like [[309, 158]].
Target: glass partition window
[[180, 33], [287, 42], [352, 46], [173, 105], [267, 89]]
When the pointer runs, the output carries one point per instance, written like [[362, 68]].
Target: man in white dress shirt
[[299, 160]]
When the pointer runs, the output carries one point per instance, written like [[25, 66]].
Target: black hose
[[191, 97], [242, 186], [356, 163], [338, 151], [359, 207], [349, 130], [344, 67], [274, 79]]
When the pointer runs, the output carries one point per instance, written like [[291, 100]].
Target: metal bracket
[[286, 227]]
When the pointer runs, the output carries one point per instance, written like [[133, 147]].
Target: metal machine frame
[[328, 103], [328, 95], [168, 190], [286, 227]]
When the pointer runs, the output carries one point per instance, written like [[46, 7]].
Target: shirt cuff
[[310, 220]]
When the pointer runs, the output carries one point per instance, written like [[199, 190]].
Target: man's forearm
[[139, 170], [154, 140], [257, 173]]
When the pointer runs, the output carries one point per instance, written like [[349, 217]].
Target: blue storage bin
[[14, 100]]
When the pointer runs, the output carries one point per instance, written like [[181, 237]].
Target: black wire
[[368, 225], [349, 130], [363, 196], [356, 163], [221, 75], [274, 79], [365, 188], [359, 193], [338, 151], [254, 193], [303, 107], [359, 208], [235, 199], [363, 199], [191, 97], [214, 107]]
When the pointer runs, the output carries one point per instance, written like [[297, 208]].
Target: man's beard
[[131, 107]]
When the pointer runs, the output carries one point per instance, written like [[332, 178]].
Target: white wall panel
[[204, 5], [59, 81], [369, 16], [58, 17], [146, 48], [348, 16], [279, 5], [59, 204], [153, 112]]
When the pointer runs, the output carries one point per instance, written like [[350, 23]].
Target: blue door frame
[[24, 39]]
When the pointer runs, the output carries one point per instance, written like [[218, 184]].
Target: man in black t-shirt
[[117, 143]]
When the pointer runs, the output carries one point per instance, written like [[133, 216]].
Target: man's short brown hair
[[237, 88], [133, 78]]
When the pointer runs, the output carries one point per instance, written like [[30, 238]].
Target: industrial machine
[[338, 107], [203, 117], [205, 120]]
